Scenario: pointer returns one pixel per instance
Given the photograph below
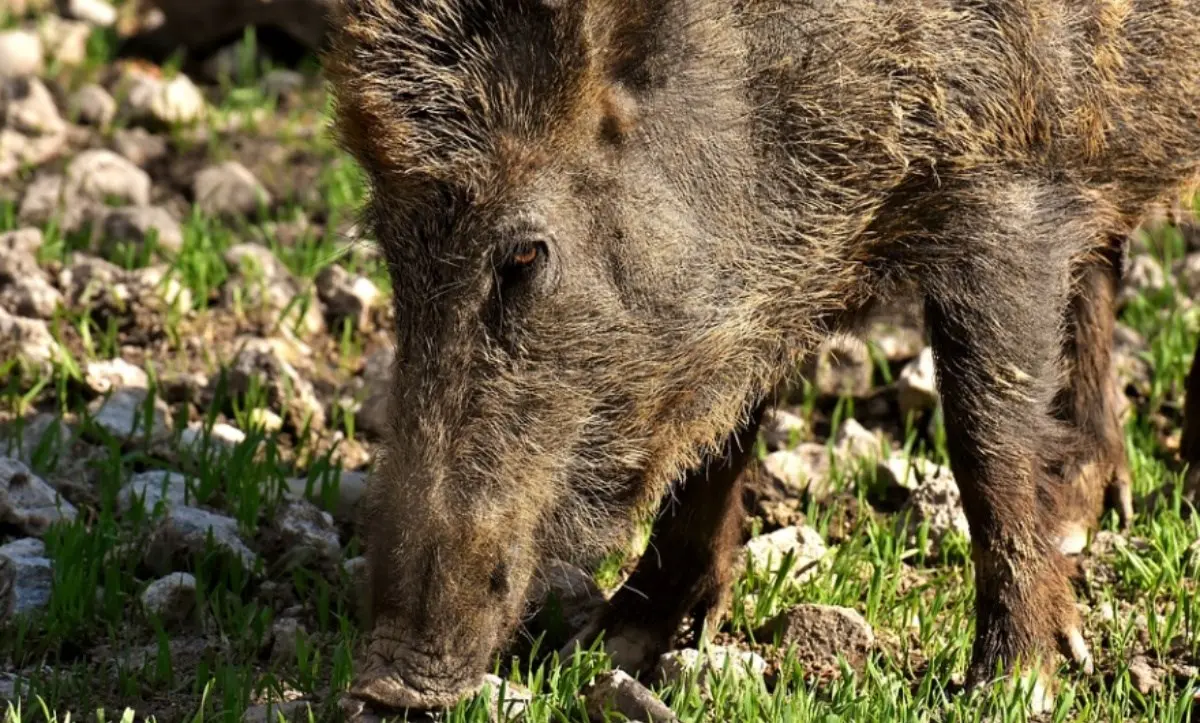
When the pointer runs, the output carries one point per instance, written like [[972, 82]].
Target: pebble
[[347, 297], [936, 501], [617, 692], [307, 535], [171, 598], [64, 40], [819, 635], [282, 82], [94, 12], [285, 639], [184, 531], [904, 472], [138, 145], [260, 282], [804, 470], [26, 577], [782, 429], [1146, 680], [225, 435], [854, 441], [916, 387], [27, 502], [767, 551], [18, 253], [31, 296], [101, 176], [20, 54], [27, 339], [104, 376], [42, 201], [229, 189], [286, 388], [351, 486], [169, 488], [92, 105], [123, 415], [155, 101], [29, 109], [678, 666], [842, 367], [138, 224]]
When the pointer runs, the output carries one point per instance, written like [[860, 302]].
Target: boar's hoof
[[632, 649]]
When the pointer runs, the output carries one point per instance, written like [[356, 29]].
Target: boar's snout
[[399, 675]]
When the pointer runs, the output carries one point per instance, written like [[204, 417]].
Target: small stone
[[508, 700], [26, 339], [156, 101], [171, 598], [1146, 680], [350, 489], [27, 502], [43, 430], [285, 635], [229, 189], [767, 552], [64, 40], [18, 253], [92, 280], [801, 471], [151, 488], [101, 176], [897, 343], [904, 472], [854, 441], [104, 376], [617, 692], [842, 367], [286, 388], [31, 296], [292, 711], [356, 569], [224, 435], [123, 415], [916, 388], [266, 420], [307, 535], [26, 577], [282, 82], [819, 635], [94, 12], [783, 429], [260, 283], [678, 666], [936, 501], [92, 105], [158, 288], [347, 297], [138, 224], [139, 146], [42, 202], [184, 532], [20, 54], [29, 109]]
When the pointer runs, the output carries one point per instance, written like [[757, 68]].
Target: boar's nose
[[399, 674]]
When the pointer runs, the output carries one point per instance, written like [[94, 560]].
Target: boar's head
[[564, 194]]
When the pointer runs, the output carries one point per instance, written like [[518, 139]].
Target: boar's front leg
[[1189, 447], [687, 568], [998, 284]]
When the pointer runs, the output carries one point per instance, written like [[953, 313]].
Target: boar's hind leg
[[995, 307], [687, 568], [1099, 473]]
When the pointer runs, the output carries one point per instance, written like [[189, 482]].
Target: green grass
[[93, 654]]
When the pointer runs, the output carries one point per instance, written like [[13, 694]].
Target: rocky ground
[[193, 350]]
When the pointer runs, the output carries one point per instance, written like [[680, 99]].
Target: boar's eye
[[522, 259]]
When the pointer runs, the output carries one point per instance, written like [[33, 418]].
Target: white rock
[[64, 40], [92, 105], [171, 598], [184, 531], [31, 296], [229, 189], [916, 388], [138, 224], [346, 296], [678, 666], [842, 367], [783, 429], [350, 489], [152, 100], [104, 376], [94, 12], [29, 109], [767, 551], [123, 415], [936, 501], [20, 54], [26, 577], [906, 472], [854, 441], [27, 502], [42, 202], [286, 388], [27, 339], [222, 434], [292, 711], [618, 692], [800, 471], [101, 176], [170, 488]]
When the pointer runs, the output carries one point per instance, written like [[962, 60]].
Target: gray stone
[[101, 176], [93, 12], [139, 145], [285, 638], [29, 109], [91, 280], [804, 470], [20, 54], [767, 552], [26, 577], [350, 489], [18, 253], [41, 430], [841, 367], [261, 286], [27, 502], [1143, 274], [678, 666], [184, 532], [92, 105], [26, 339], [221, 434], [282, 82], [347, 297], [158, 288], [42, 202], [783, 429], [151, 488], [916, 387], [902, 471], [307, 535], [819, 635], [31, 296], [229, 189], [104, 376], [897, 342], [171, 598], [617, 692], [138, 224], [936, 501], [122, 415], [286, 388], [854, 441]]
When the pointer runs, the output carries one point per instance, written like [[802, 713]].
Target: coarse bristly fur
[[710, 189]]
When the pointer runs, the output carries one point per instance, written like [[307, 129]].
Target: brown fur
[[720, 186]]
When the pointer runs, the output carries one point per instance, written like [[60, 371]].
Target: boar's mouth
[[401, 677]]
